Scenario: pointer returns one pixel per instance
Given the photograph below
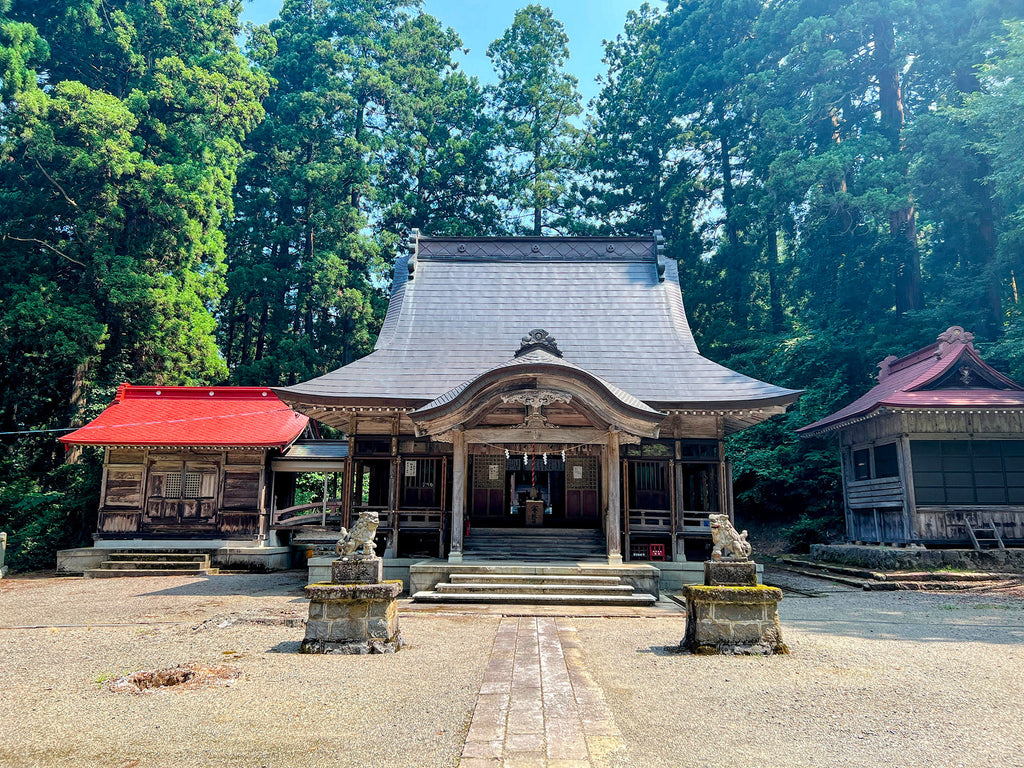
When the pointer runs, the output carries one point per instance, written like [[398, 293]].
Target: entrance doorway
[[517, 492]]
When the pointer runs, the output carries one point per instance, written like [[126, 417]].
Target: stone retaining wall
[[900, 559]]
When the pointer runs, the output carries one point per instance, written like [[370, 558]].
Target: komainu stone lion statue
[[726, 539], [359, 538]]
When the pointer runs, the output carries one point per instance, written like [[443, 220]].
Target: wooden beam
[[565, 435]]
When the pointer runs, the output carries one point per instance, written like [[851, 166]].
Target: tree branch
[[58, 186], [48, 247]]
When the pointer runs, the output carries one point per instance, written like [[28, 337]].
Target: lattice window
[[580, 473], [489, 472], [192, 486], [172, 485]]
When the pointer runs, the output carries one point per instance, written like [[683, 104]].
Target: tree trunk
[[902, 222], [727, 191], [537, 208], [261, 332], [775, 316]]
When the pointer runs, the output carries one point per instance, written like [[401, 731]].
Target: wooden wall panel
[[241, 490]]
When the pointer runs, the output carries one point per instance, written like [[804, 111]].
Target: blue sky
[[587, 23]]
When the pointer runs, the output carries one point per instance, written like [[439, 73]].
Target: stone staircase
[[152, 564], [543, 545], [541, 586]]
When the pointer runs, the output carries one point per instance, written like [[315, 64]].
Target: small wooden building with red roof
[[934, 453], [185, 462]]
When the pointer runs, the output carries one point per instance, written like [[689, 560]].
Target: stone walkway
[[538, 705]]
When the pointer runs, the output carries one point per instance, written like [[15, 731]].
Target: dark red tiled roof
[[904, 383], [241, 417]]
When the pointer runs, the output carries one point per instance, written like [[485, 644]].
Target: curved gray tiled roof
[[469, 301], [539, 357]]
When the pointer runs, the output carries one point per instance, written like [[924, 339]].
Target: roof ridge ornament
[[952, 335], [412, 247], [538, 338], [659, 251]]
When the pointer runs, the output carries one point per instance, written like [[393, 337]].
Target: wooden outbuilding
[[188, 462], [934, 453]]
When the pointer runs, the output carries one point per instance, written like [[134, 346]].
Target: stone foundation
[[733, 619], [917, 559], [353, 618]]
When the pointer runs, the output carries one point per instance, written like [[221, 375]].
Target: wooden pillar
[[679, 553], [672, 506], [846, 469], [460, 461], [348, 483], [394, 468], [444, 506], [268, 503], [909, 498], [612, 511]]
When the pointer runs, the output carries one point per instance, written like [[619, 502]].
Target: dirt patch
[[182, 676]]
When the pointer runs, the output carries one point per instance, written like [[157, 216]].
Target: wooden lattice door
[[581, 488], [488, 487]]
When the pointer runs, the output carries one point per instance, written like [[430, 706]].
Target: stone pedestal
[[3, 554], [370, 571], [730, 573], [731, 613], [356, 613]]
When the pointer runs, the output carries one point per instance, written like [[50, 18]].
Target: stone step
[[140, 557], [536, 589], [543, 557], [531, 578], [109, 573], [148, 565], [636, 598]]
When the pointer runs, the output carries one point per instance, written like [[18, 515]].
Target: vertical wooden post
[[349, 480], [268, 510], [909, 498], [672, 506], [846, 469], [612, 512], [323, 509], [460, 462], [444, 505], [394, 468]]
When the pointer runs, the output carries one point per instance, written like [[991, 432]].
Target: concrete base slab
[[224, 554]]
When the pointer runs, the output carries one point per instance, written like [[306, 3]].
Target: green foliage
[[812, 530], [115, 180], [45, 514], [535, 100]]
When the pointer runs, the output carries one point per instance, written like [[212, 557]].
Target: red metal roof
[[904, 382], [242, 417]]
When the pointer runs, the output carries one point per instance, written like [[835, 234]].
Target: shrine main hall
[[537, 382]]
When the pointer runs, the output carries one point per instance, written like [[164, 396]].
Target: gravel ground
[[410, 709], [874, 679]]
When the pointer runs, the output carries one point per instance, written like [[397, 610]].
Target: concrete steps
[[152, 564], [545, 587]]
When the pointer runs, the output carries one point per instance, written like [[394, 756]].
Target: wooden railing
[[650, 520], [314, 513], [696, 522]]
